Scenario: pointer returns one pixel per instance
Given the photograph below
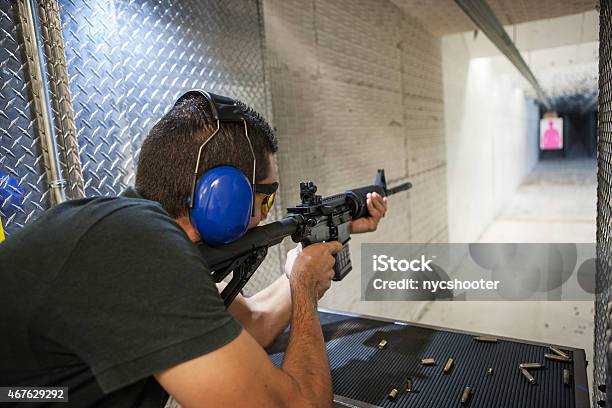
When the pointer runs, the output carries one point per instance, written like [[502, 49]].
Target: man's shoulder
[[60, 229], [139, 225], [102, 211], [107, 205], [123, 213]]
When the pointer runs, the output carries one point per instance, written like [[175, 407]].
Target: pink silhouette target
[[551, 134]]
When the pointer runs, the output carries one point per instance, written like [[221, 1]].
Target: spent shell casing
[[566, 376], [393, 394], [465, 397], [428, 361], [490, 371], [408, 386], [449, 365], [528, 376], [486, 339], [558, 352], [556, 357], [531, 366], [382, 344]]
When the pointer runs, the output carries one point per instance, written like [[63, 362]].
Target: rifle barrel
[[399, 189]]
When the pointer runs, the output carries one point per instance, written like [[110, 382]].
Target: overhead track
[[484, 18]]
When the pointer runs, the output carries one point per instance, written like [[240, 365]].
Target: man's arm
[[306, 344], [220, 378], [265, 314], [238, 374]]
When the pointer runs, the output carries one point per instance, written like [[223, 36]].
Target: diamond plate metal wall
[[128, 61], [96, 75], [21, 156], [602, 372]]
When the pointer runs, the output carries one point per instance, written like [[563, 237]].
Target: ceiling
[[443, 17], [567, 74]]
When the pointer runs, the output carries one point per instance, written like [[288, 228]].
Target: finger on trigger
[[334, 247], [332, 262]]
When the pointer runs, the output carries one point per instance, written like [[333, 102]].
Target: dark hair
[[169, 152]]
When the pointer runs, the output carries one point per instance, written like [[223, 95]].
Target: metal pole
[[60, 97], [28, 11]]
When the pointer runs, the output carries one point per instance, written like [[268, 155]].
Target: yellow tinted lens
[[267, 203]]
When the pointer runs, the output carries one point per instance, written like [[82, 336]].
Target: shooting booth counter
[[370, 357]]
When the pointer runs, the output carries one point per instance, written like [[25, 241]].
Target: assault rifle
[[316, 219]]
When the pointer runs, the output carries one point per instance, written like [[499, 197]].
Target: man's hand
[[377, 207], [313, 268]]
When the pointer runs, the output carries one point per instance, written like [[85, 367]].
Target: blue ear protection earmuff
[[221, 202], [222, 205]]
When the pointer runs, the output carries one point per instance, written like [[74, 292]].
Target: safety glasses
[[269, 192]]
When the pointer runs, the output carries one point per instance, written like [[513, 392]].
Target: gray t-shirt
[[98, 295]]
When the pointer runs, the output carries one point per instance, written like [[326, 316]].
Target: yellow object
[[266, 204], [1, 231]]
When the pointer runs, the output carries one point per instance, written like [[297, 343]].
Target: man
[[112, 298]]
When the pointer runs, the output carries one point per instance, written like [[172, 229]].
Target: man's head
[[169, 153]]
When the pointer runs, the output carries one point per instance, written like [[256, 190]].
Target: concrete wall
[[491, 136], [356, 86]]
